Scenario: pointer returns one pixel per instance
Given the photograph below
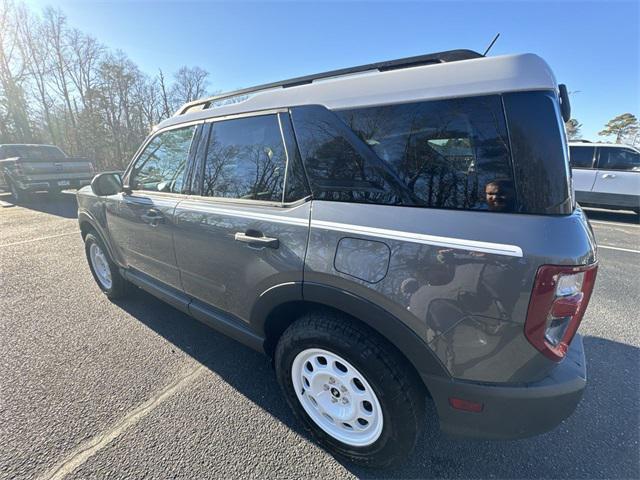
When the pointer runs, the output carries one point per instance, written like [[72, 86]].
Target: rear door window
[[245, 159], [442, 154], [614, 158], [581, 157]]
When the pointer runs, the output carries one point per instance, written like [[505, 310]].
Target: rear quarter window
[[440, 154], [539, 152]]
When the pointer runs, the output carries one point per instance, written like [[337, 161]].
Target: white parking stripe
[[39, 238], [88, 449], [617, 224], [610, 247]]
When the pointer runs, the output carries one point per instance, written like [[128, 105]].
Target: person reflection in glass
[[500, 195]]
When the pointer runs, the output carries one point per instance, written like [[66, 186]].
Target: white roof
[[478, 76]]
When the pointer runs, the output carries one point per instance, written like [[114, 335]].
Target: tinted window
[[612, 158], [161, 166], [245, 159], [539, 152], [296, 186], [581, 157], [447, 154]]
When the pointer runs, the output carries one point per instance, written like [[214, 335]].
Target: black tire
[[119, 286], [399, 391], [17, 195]]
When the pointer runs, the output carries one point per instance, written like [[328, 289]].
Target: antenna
[[491, 45]]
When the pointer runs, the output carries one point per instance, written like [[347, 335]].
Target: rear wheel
[[105, 272], [17, 195], [350, 389]]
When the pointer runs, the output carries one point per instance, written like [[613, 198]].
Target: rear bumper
[[59, 184], [513, 411]]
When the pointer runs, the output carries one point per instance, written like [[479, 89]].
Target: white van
[[606, 175]]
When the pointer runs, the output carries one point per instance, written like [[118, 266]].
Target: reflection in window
[[161, 166], [245, 159], [434, 154]]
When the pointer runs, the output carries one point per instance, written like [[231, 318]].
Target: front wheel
[[104, 270], [350, 389]]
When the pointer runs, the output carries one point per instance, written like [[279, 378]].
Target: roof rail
[[579, 140], [439, 57]]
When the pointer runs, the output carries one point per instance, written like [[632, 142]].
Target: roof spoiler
[[431, 58]]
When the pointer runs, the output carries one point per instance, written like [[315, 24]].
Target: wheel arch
[[280, 306], [89, 224]]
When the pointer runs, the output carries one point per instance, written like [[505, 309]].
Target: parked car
[[28, 168], [385, 233], [606, 175]]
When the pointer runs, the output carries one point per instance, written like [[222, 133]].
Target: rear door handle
[[256, 239], [609, 175]]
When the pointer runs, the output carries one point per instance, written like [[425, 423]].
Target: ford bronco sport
[[386, 233]]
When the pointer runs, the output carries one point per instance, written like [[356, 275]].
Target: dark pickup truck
[[30, 168]]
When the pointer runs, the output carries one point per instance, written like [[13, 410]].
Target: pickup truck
[[29, 168]]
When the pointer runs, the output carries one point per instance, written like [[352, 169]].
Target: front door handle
[[256, 239], [609, 175]]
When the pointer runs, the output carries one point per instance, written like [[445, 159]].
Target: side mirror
[[107, 183]]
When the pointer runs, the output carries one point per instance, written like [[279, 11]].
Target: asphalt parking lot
[[136, 389]]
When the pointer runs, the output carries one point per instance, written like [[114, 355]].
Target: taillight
[[558, 302]]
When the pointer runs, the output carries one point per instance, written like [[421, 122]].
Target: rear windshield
[[440, 154], [33, 152]]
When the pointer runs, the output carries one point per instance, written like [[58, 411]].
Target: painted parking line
[[88, 449], [620, 249], [616, 224], [76, 232]]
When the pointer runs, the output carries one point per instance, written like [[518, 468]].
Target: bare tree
[[189, 84]]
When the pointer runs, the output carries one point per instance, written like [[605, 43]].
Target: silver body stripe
[[448, 242], [253, 215], [459, 243]]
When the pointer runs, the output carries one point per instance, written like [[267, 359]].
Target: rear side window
[[614, 158], [582, 157], [539, 152], [443, 154], [161, 166], [245, 159]]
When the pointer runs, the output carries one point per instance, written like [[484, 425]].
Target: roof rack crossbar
[[440, 57]]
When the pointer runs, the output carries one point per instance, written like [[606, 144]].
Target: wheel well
[[85, 228], [279, 319]]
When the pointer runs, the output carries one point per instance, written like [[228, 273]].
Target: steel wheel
[[100, 266], [337, 397]]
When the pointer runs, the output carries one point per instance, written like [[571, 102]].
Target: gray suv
[[386, 233]]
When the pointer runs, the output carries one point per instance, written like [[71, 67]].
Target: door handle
[[256, 239], [609, 175]]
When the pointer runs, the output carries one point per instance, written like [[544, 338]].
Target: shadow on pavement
[[59, 204], [599, 441]]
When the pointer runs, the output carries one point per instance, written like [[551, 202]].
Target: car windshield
[[36, 152]]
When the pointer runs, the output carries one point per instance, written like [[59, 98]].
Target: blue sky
[[593, 47]]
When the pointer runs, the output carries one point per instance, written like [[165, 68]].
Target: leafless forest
[[60, 85]]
